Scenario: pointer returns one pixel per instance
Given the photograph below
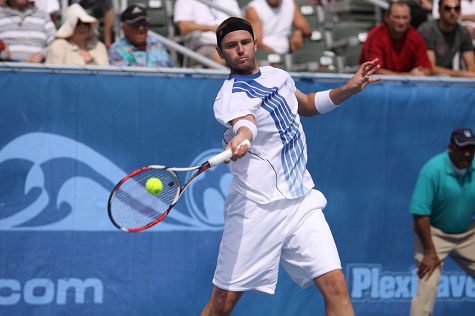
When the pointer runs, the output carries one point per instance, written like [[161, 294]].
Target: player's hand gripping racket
[[132, 208]]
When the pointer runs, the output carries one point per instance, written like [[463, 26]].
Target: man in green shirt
[[443, 207]]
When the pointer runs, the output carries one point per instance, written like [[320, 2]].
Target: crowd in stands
[[431, 49], [38, 31]]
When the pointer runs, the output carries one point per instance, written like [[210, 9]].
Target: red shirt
[[397, 55]]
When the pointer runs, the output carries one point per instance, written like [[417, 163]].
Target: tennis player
[[272, 213]]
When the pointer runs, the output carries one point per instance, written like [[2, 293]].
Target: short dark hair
[[230, 25], [441, 1], [397, 2]]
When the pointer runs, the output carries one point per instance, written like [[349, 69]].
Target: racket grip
[[227, 154]]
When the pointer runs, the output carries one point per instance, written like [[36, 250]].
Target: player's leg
[[249, 253], [424, 300], [464, 253], [335, 293], [222, 302], [310, 255]]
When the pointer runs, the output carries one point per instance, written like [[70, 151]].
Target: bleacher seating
[[313, 55], [346, 25], [339, 28]]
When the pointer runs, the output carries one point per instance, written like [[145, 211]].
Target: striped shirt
[[26, 32], [276, 167]]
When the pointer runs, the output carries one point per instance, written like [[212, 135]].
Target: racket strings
[[134, 207]]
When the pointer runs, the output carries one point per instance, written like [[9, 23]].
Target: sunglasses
[[448, 8], [141, 23]]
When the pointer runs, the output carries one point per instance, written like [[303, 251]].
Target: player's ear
[[220, 52]]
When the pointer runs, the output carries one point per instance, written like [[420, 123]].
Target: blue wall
[[68, 136]]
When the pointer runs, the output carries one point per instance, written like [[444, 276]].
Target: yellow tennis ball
[[154, 186]]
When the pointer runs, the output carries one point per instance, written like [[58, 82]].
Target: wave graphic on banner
[[54, 183]]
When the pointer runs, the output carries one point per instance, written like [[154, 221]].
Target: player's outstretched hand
[[363, 76]]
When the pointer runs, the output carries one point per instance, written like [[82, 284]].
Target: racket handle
[[225, 155]]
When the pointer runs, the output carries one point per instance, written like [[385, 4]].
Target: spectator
[[443, 206], [25, 30], [272, 22], [51, 7], [77, 40], [467, 18], [139, 46], [102, 10], [445, 38], [198, 22], [401, 50]]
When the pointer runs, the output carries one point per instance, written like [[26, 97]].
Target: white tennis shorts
[[257, 237]]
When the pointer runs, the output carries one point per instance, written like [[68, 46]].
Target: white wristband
[[323, 103], [252, 127]]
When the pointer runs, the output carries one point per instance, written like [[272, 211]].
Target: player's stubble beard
[[243, 69], [248, 67]]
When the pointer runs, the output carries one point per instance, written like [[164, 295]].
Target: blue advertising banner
[[67, 136]]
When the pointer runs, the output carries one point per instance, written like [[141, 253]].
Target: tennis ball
[[154, 186]]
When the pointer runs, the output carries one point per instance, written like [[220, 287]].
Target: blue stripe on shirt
[[292, 156]]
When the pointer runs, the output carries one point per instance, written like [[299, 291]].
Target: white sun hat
[[72, 15]]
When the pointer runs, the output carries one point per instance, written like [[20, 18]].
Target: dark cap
[[133, 13], [462, 137]]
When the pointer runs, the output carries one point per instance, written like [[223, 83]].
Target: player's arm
[[244, 128], [253, 18], [325, 101], [430, 260]]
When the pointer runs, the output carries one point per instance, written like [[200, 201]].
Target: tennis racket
[[132, 208]]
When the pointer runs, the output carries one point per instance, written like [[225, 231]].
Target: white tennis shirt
[[276, 23], [275, 167]]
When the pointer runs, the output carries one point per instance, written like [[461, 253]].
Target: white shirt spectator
[[276, 23], [49, 6], [200, 13]]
